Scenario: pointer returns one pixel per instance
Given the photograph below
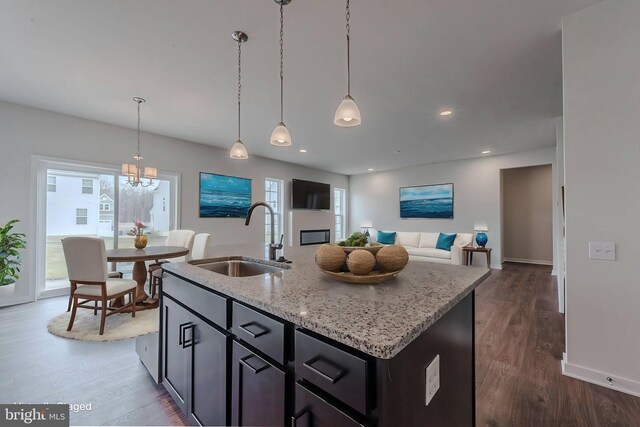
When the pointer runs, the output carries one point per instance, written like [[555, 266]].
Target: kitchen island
[[291, 346]]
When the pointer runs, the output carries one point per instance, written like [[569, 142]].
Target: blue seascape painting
[[224, 196], [427, 201]]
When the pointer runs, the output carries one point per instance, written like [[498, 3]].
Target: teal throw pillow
[[445, 241], [387, 237]]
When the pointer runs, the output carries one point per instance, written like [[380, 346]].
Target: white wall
[[27, 131], [601, 61], [559, 218], [375, 197], [527, 215]]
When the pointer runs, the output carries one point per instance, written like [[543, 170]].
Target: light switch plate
[[605, 251], [432, 375]]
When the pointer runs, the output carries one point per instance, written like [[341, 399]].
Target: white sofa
[[422, 247]]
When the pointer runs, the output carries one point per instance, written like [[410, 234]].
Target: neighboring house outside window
[[105, 206], [340, 210], [273, 196], [81, 216], [51, 184], [87, 186]]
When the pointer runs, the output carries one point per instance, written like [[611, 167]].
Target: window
[[81, 216], [51, 184], [340, 210], [105, 206], [273, 196], [87, 186]]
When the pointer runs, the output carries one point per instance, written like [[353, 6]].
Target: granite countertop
[[379, 320]]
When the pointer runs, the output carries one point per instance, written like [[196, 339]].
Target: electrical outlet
[[605, 251], [432, 376]]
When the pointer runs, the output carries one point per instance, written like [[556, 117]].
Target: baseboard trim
[[623, 385], [528, 261]]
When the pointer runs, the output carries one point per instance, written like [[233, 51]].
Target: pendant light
[[280, 136], [239, 151], [348, 113], [133, 172]]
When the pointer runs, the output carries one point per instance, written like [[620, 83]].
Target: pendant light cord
[[281, 63], [239, 83], [138, 102], [348, 50]]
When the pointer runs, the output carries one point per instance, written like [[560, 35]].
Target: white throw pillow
[[408, 239], [428, 240]]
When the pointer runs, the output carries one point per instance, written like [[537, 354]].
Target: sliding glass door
[[95, 201]]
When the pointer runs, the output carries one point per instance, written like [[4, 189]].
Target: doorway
[[527, 215]]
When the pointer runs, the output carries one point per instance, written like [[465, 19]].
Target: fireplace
[[314, 237]]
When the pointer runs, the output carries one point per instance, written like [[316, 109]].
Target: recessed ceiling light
[[486, 152], [446, 113], [303, 150], [370, 169]]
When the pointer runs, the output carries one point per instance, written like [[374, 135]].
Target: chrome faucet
[[273, 246]]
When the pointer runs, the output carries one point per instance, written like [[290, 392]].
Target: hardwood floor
[[38, 367], [519, 344]]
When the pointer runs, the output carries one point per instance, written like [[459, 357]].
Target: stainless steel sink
[[239, 268]]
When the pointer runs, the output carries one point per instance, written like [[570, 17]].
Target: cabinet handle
[[303, 415], [333, 379], [253, 369], [181, 340], [262, 330], [188, 343]]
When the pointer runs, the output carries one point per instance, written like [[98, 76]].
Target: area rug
[[119, 326]]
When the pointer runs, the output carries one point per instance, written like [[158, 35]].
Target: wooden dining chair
[[86, 259], [182, 238]]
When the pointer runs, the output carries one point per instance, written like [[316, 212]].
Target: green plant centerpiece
[[358, 240], [10, 245]]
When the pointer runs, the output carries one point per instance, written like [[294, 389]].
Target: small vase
[[140, 242], [481, 239]]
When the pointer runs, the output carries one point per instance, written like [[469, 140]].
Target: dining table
[[139, 258]]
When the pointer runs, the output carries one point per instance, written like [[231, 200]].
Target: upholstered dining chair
[[86, 259], [199, 251], [182, 238]]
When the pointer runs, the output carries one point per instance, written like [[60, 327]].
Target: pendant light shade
[[347, 114], [238, 150], [280, 137]]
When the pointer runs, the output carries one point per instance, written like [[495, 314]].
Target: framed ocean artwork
[[224, 196], [427, 201]]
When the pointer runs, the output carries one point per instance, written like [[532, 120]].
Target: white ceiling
[[496, 63]]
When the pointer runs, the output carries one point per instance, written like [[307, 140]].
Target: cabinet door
[[208, 374], [175, 362], [258, 390], [313, 411]]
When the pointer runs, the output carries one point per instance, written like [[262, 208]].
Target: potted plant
[[138, 232], [10, 245]]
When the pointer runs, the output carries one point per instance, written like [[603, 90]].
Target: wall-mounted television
[[310, 195]]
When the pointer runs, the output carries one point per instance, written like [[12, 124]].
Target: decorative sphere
[[361, 262], [330, 257], [392, 258]]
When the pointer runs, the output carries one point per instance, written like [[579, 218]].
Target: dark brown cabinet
[[195, 365], [207, 404], [174, 358], [313, 411], [258, 390]]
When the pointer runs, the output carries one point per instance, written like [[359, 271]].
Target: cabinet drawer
[[341, 374], [260, 331], [312, 410], [207, 304]]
